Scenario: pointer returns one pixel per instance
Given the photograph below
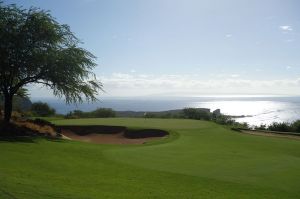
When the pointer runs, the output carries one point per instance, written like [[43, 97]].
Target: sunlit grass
[[200, 160]]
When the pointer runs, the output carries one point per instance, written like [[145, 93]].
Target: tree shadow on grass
[[26, 139], [55, 139], [29, 139]]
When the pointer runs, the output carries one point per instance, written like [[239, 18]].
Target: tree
[[21, 101], [35, 48], [98, 113], [42, 109], [196, 113], [103, 112]]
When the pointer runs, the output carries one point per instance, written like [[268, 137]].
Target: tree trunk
[[8, 99]]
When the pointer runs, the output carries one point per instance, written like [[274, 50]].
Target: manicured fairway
[[199, 160]]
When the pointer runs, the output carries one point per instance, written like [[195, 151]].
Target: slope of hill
[[199, 160]]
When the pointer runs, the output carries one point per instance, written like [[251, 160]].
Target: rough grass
[[199, 160]]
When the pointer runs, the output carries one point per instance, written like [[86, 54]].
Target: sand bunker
[[111, 134]]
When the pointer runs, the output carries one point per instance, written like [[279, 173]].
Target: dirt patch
[[111, 134], [260, 133]]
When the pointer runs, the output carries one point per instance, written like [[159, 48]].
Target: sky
[[186, 47]]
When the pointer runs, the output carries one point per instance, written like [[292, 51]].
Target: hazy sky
[[186, 47]]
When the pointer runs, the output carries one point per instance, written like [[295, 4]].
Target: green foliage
[[98, 113], [296, 126], [75, 114], [151, 115], [164, 115], [227, 120], [224, 120], [241, 125], [198, 114], [35, 48], [280, 126], [285, 126], [42, 109], [103, 112], [261, 127]]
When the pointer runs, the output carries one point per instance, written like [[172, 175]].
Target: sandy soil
[[271, 134], [117, 138]]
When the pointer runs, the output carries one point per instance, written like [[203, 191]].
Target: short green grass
[[199, 160]]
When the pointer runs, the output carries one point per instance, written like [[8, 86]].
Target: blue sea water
[[257, 109]]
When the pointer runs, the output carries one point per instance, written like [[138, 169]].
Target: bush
[[243, 125], [75, 114], [261, 127], [198, 114], [296, 126], [280, 126], [150, 115], [98, 113], [103, 113], [224, 120], [71, 116], [42, 109], [163, 115]]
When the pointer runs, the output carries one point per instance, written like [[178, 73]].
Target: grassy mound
[[198, 160]]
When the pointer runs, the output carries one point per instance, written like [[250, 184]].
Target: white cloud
[[286, 28], [228, 35], [137, 85], [288, 67], [224, 75], [235, 75], [133, 84]]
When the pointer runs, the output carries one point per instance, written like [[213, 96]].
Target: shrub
[[150, 115], [71, 116], [261, 127], [198, 114], [243, 125], [42, 109], [296, 126], [75, 114], [280, 126], [103, 112], [224, 120], [98, 113]]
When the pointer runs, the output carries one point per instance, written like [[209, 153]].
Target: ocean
[[256, 109]]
